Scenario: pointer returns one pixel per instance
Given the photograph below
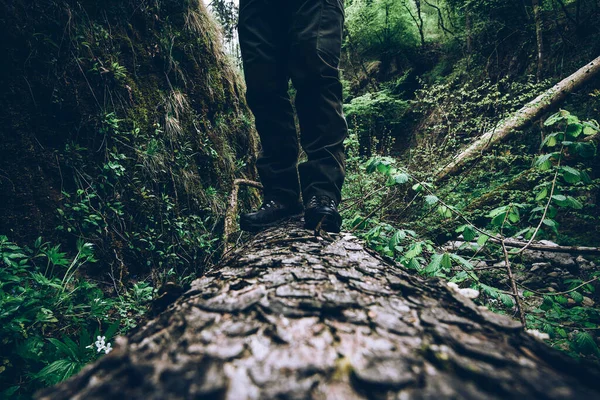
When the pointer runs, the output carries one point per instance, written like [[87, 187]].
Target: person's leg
[[262, 29], [316, 38]]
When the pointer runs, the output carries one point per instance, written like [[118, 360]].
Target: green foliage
[[49, 315]]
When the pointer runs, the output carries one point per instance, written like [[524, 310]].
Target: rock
[[537, 266]]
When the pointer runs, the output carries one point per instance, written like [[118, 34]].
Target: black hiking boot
[[321, 212], [271, 213]]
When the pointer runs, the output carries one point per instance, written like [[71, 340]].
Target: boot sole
[[332, 222], [253, 228]]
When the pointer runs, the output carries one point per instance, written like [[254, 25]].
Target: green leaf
[[574, 130], [465, 263], [446, 262], [560, 199], [434, 266], [570, 175], [578, 297], [583, 149], [482, 240], [396, 238], [542, 194], [506, 300], [469, 233], [431, 199], [415, 250], [584, 343], [401, 178], [489, 291], [444, 211], [543, 162], [574, 203], [553, 119]]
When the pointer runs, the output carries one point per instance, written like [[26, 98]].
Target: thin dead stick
[[557, 293], [512, 280], [232, 207], [513, 285]]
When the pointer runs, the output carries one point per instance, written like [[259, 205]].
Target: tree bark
[[537, 17], [522, 118], [291, 316]]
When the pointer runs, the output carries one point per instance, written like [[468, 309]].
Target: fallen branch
[[232, 208], [522, 118]]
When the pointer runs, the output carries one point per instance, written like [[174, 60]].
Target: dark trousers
[[301, 40]]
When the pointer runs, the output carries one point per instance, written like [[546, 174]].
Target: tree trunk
[[291, 316], [522, 118], [537, 17]]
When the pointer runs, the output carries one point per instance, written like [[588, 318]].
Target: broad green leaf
[[506, 300], [415, 250], [574, 203], [469, 233], [578, 297], [543, 162], [444, 211], [446, 262], [434, 266], [542, 194], [574, 130], [584, 343], [482, 240], [465, 263], [583, 149], [570, 174], [431, 199], [560, 199], [553, 119], [401, 178]]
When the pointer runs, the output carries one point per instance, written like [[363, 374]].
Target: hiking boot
[[322, 210], [271, 213]]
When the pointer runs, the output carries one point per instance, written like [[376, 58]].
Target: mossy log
[[291, 316], [529, 113]]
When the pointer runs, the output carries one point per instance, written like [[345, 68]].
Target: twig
[[232, 207], [513, 282], [557, 293]]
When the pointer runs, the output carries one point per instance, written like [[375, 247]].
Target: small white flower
[[538, 335], [107, 349]]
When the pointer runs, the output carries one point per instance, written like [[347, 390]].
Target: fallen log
[[521, 118], [290, 316]]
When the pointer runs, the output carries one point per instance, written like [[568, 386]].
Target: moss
[[123, 62]]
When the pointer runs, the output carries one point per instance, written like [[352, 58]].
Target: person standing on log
[[301, 40]]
